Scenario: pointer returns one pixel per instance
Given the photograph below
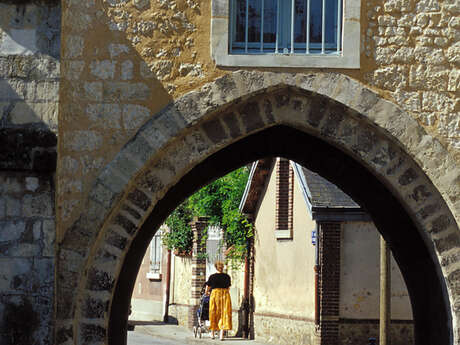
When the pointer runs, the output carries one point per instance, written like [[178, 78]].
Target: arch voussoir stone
[[330, 106]]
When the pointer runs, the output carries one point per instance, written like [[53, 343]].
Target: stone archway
[[230, 118]]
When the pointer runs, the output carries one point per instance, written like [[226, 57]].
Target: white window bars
[[286, 27]]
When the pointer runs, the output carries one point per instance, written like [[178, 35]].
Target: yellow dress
[[220, 310]]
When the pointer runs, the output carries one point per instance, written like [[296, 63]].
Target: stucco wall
[[283, 290], [360, 276], [155, 51]]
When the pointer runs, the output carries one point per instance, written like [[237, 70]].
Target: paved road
[[138, 338], [166, 334]]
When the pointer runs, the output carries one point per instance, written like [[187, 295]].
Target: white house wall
[[283, 288], [359, 280]]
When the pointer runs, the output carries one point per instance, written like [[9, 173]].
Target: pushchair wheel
[[195, 330], [199, 332]]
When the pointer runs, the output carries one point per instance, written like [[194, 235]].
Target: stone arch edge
[[197, 105]]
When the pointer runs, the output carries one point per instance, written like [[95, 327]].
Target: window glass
[[276, 26], [254, 20]]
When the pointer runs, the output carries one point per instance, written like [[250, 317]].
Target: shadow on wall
[[29, 64]]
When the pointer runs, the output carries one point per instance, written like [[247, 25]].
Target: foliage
[[219, 201], [180, 236]]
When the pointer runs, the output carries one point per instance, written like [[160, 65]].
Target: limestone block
[[73, 47], [134, 116], [449, 125], [24, 249], [404, 55], [37, 205], [73, 69], [429, 55], [11, 230], [392, 6], [116, 49], [37, 230], [11, 268], [454, 22], [12, 185], [384, 55], [115, 3], [193, 70], [127, 70], [141, 4], [69, 165], [32, 184], [145, 70], [19, 42], [47, 91], [93, 90], [427, 6], [427, 118], [90, 164], [105, 115], [441, 41], [2, 208], [83, 141], [391, 77], [104, 69], [453, 54], [24, 113], [13, 207], [126, 91], [425, 77], [436, 101], [454, 80], [386, 20], [162, 69]]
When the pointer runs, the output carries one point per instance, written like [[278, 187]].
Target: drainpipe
[[385, 292], [246, 294], [316, 268], [167, 288]]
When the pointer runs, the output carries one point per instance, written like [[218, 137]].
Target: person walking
[[220, 304]]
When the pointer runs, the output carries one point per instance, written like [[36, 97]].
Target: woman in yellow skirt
[[220, 304]]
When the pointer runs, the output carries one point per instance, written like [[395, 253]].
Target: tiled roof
[[324, 194]]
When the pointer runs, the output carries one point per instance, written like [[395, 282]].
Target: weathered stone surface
[[134, 116], [84, 141]]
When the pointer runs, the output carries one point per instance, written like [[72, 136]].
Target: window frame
[[154, 274], [349, 57]]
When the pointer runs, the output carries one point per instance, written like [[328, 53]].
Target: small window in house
[[285, 27], [155, 257]]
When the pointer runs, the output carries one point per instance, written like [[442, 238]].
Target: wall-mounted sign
[[313, 237]]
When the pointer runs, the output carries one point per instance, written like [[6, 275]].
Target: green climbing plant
[[219, 201]]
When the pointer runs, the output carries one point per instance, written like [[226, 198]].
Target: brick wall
[[284, 195], [329, 282], [198, 268]]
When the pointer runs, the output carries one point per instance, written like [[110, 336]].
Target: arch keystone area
[[327, 121]]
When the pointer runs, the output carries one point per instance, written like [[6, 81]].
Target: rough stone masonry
[[29, 85]]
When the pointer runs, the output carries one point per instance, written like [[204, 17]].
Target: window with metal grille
[[285, 26], [155, 253]]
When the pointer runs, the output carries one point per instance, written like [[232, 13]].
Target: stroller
[[202, 314]]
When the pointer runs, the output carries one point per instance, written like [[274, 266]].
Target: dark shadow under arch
[[430, 304]]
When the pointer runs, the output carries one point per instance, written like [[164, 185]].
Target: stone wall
[[27, 232], [358, 332], [156, 51], [276, 329], [29, 65], [29, 86]]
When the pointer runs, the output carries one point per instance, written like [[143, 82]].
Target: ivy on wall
[[219, 201]]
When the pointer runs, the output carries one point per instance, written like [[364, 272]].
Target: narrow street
[[165, 334]]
